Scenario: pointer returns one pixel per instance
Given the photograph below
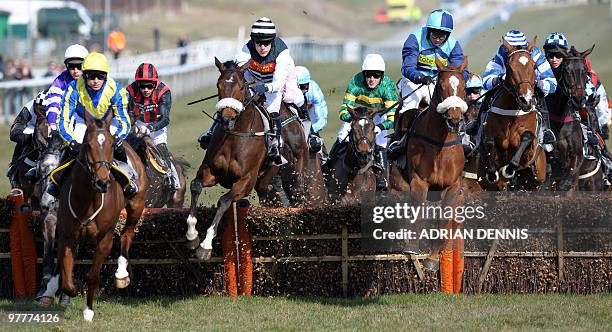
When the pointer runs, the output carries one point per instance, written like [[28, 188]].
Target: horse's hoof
[[46, 301], [122, 282], [431, 265], [492, 177], [88, 314], [193, 244], [203, 254], [506, 174], [64, 300]]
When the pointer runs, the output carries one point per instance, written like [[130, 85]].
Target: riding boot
[[11, 173], [130, 188], [379, 169], [163, 149], [549, 136], [314, 143], [57, 175], [205, 138], [274, 148]]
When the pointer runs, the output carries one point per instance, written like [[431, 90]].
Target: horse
[[564, 105], [236, 156], [472, 182], [48, 161], [301, 177], [90, 204], [351, 173], [433, 157], [591, 171], [160, 192], [509, 144]]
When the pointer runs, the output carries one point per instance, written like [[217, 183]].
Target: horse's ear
[[464, 64], [39, 110], [587, 52], [564, 52], [439, 63], [219, 64], [245, 66], [532, 43], [352, 112], [507, 45], [107, 120], [88, 119]]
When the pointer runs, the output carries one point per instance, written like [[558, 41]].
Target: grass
[[386, 313]]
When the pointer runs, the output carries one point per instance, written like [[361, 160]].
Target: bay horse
[[301, 177], [236, 156], [564, 105], [434, 158], [509, 144], [351, 173], [591, 171], [90, 204], [160, 193]]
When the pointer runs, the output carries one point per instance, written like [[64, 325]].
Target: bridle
[[568, 90], [90, 167], [514, 90], [365, 159], [238, 105]]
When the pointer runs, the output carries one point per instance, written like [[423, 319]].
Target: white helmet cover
[[373, 62], [75, 51]]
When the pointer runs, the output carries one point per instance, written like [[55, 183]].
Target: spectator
[[183, 41], [53, 69], [116, 42]]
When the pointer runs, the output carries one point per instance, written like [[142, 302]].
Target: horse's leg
[[66, 255], [418, 195], [239, 190], [93, 276], [204, 178], [134, 210], [49, 222], [178, 199], [397, 182]]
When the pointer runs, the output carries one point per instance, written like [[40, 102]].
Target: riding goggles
[[92, 75]]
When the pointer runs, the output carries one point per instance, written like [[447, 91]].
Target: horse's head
[[362, 137], [232, 89], [98, 151], [574, 75], [449, 94], [520, 74], [42, 126]]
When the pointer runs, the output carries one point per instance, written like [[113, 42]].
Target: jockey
[[73, 59], [495, 73], [149, 109], [271, 74], [316, 106], [371, 89], [419, 71], [22, 132], [473, 91], [98, 95]]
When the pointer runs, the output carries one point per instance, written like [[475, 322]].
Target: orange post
[[23, 251], [446, 271], [245, 273]]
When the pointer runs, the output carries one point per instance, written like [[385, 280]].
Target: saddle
[[124, 170]]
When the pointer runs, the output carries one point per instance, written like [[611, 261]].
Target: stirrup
[[53, 189], [548, 137], [31, 174]]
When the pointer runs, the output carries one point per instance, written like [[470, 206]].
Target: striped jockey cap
[[146, 72], [515, 38], [556, 39], [263, 29]]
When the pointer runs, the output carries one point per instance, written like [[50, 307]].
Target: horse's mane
[[231, 64]]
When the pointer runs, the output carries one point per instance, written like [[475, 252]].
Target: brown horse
[[434, 157], [509, 144], [591, 176], [236, 156], [90, 203], [301, 177], [564, 105], [160, 193], [351, 173]]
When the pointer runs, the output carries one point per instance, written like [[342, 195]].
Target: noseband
[[569, 90], [451, 102]]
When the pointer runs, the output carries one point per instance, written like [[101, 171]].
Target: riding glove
[[74, 147], [260, 89]]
